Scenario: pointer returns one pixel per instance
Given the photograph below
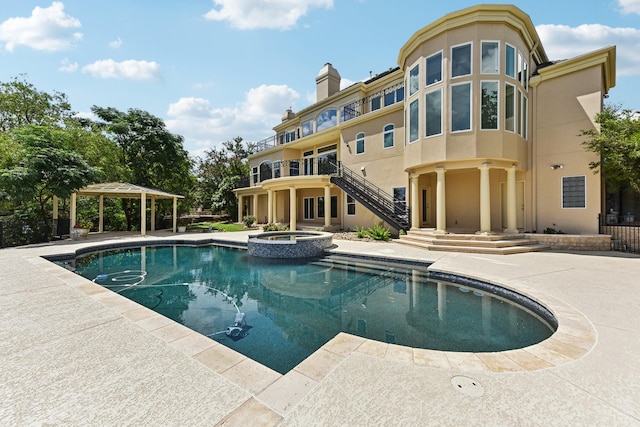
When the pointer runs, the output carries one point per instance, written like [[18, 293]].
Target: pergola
[[123, 190]]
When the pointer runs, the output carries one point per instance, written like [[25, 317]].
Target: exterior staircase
[[375, 199], [500, 244]]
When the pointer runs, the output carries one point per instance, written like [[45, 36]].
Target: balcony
[[287, 168], [384, 98]]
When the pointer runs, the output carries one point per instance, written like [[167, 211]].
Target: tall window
[[413, 121], [461, 107], [434, 113], [307, 128], [524, 108], [519, 112], [489, 111], [574, 192], [294, 167], [254, 172], [461, 60], [434, 69], [351, 205], [490, 58], [510, 61], [399, 199], [348, 112], [387, 136], [276, 170], [266, 171], [308, 208], [334, 207], [375, 103], [509, 107], [414, 80], [360, 143]]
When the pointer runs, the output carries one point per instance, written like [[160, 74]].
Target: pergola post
[[153, 214], [72, 210], [143, 213], [175, 214], [101, 214]]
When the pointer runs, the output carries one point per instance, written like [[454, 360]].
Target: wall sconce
[[557, 166], [363, 170]]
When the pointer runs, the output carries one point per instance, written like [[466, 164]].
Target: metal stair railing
[[374, 198]]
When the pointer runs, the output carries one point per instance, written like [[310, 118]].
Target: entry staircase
[[498, 243], [370, 196]]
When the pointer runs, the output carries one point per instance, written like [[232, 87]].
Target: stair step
[[470, 243]]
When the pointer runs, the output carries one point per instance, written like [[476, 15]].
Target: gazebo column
[[512, 222], [485, 199], [143, 213], [175, 214], [415, 212], [441, 209], [153, 214], [327, 207], [293, 212], [72, 210], [101, 214], [269, 206], [55, 215]]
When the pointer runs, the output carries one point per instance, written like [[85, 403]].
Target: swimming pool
[[278, 312]]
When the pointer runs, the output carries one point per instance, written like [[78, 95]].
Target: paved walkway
[[72, 353]]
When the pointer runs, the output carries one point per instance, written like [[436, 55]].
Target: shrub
[[379, 232], [361, 233], [274, 227], [550, 230], [248, 220]]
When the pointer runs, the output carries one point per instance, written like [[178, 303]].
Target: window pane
[[389, 98], [461, 60], [400, 94], [573, 192], [489, 113], [351, 205], [434, 113], [525, 108], [519, 65], [510, 61], [413, 121], [375, 103], [320, 207], [307, 128], [490, 58], [334, 206], [349, 112], [414, 83], [388, 136], [509, 108], [461, 107], [434, 69], [327, 119], [519, 116]]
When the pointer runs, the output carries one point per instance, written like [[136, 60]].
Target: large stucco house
[[475, 131]]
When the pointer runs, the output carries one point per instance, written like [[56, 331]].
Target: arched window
[[327, 119], [387, 136], [360, 143], [266, 171]]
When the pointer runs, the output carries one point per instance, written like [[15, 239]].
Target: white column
[[72, 209], [512, 208], [254, 208], [485, 199], [175, 214], [240, 207], [441, 209], [143, 214], [327, 207], [274, 213], [415, 202], [153, 214], [55, 216], [101, 214], [293, 211], [269, 206]]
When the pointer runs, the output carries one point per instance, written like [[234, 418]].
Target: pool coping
[[573, 339]]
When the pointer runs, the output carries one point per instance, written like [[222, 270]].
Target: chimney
[[327, 82]]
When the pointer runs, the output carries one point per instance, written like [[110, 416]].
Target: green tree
[[22, 104], [47, 168], [149, 154], [218, 174], [617, 143]]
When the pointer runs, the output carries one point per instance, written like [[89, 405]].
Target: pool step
[[502, 244]]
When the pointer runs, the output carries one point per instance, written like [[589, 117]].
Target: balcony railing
[[384, 98]]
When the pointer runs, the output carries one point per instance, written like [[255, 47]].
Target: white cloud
[[205, 127], [130, 69], [564, 42], [68, 67], [272, 14], [116, 43], [629, 6], [48, 29]]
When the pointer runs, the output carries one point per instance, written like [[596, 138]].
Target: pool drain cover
[[468, 386]]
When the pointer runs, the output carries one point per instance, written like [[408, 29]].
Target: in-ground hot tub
[[289, 244]]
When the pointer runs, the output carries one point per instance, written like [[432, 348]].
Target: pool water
[[290, 308]]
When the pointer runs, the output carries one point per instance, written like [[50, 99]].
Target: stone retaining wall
[[573, 242]]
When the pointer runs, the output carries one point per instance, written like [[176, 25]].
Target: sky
[[217, 69]]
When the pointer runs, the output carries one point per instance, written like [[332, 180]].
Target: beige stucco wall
[[559, 122]]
